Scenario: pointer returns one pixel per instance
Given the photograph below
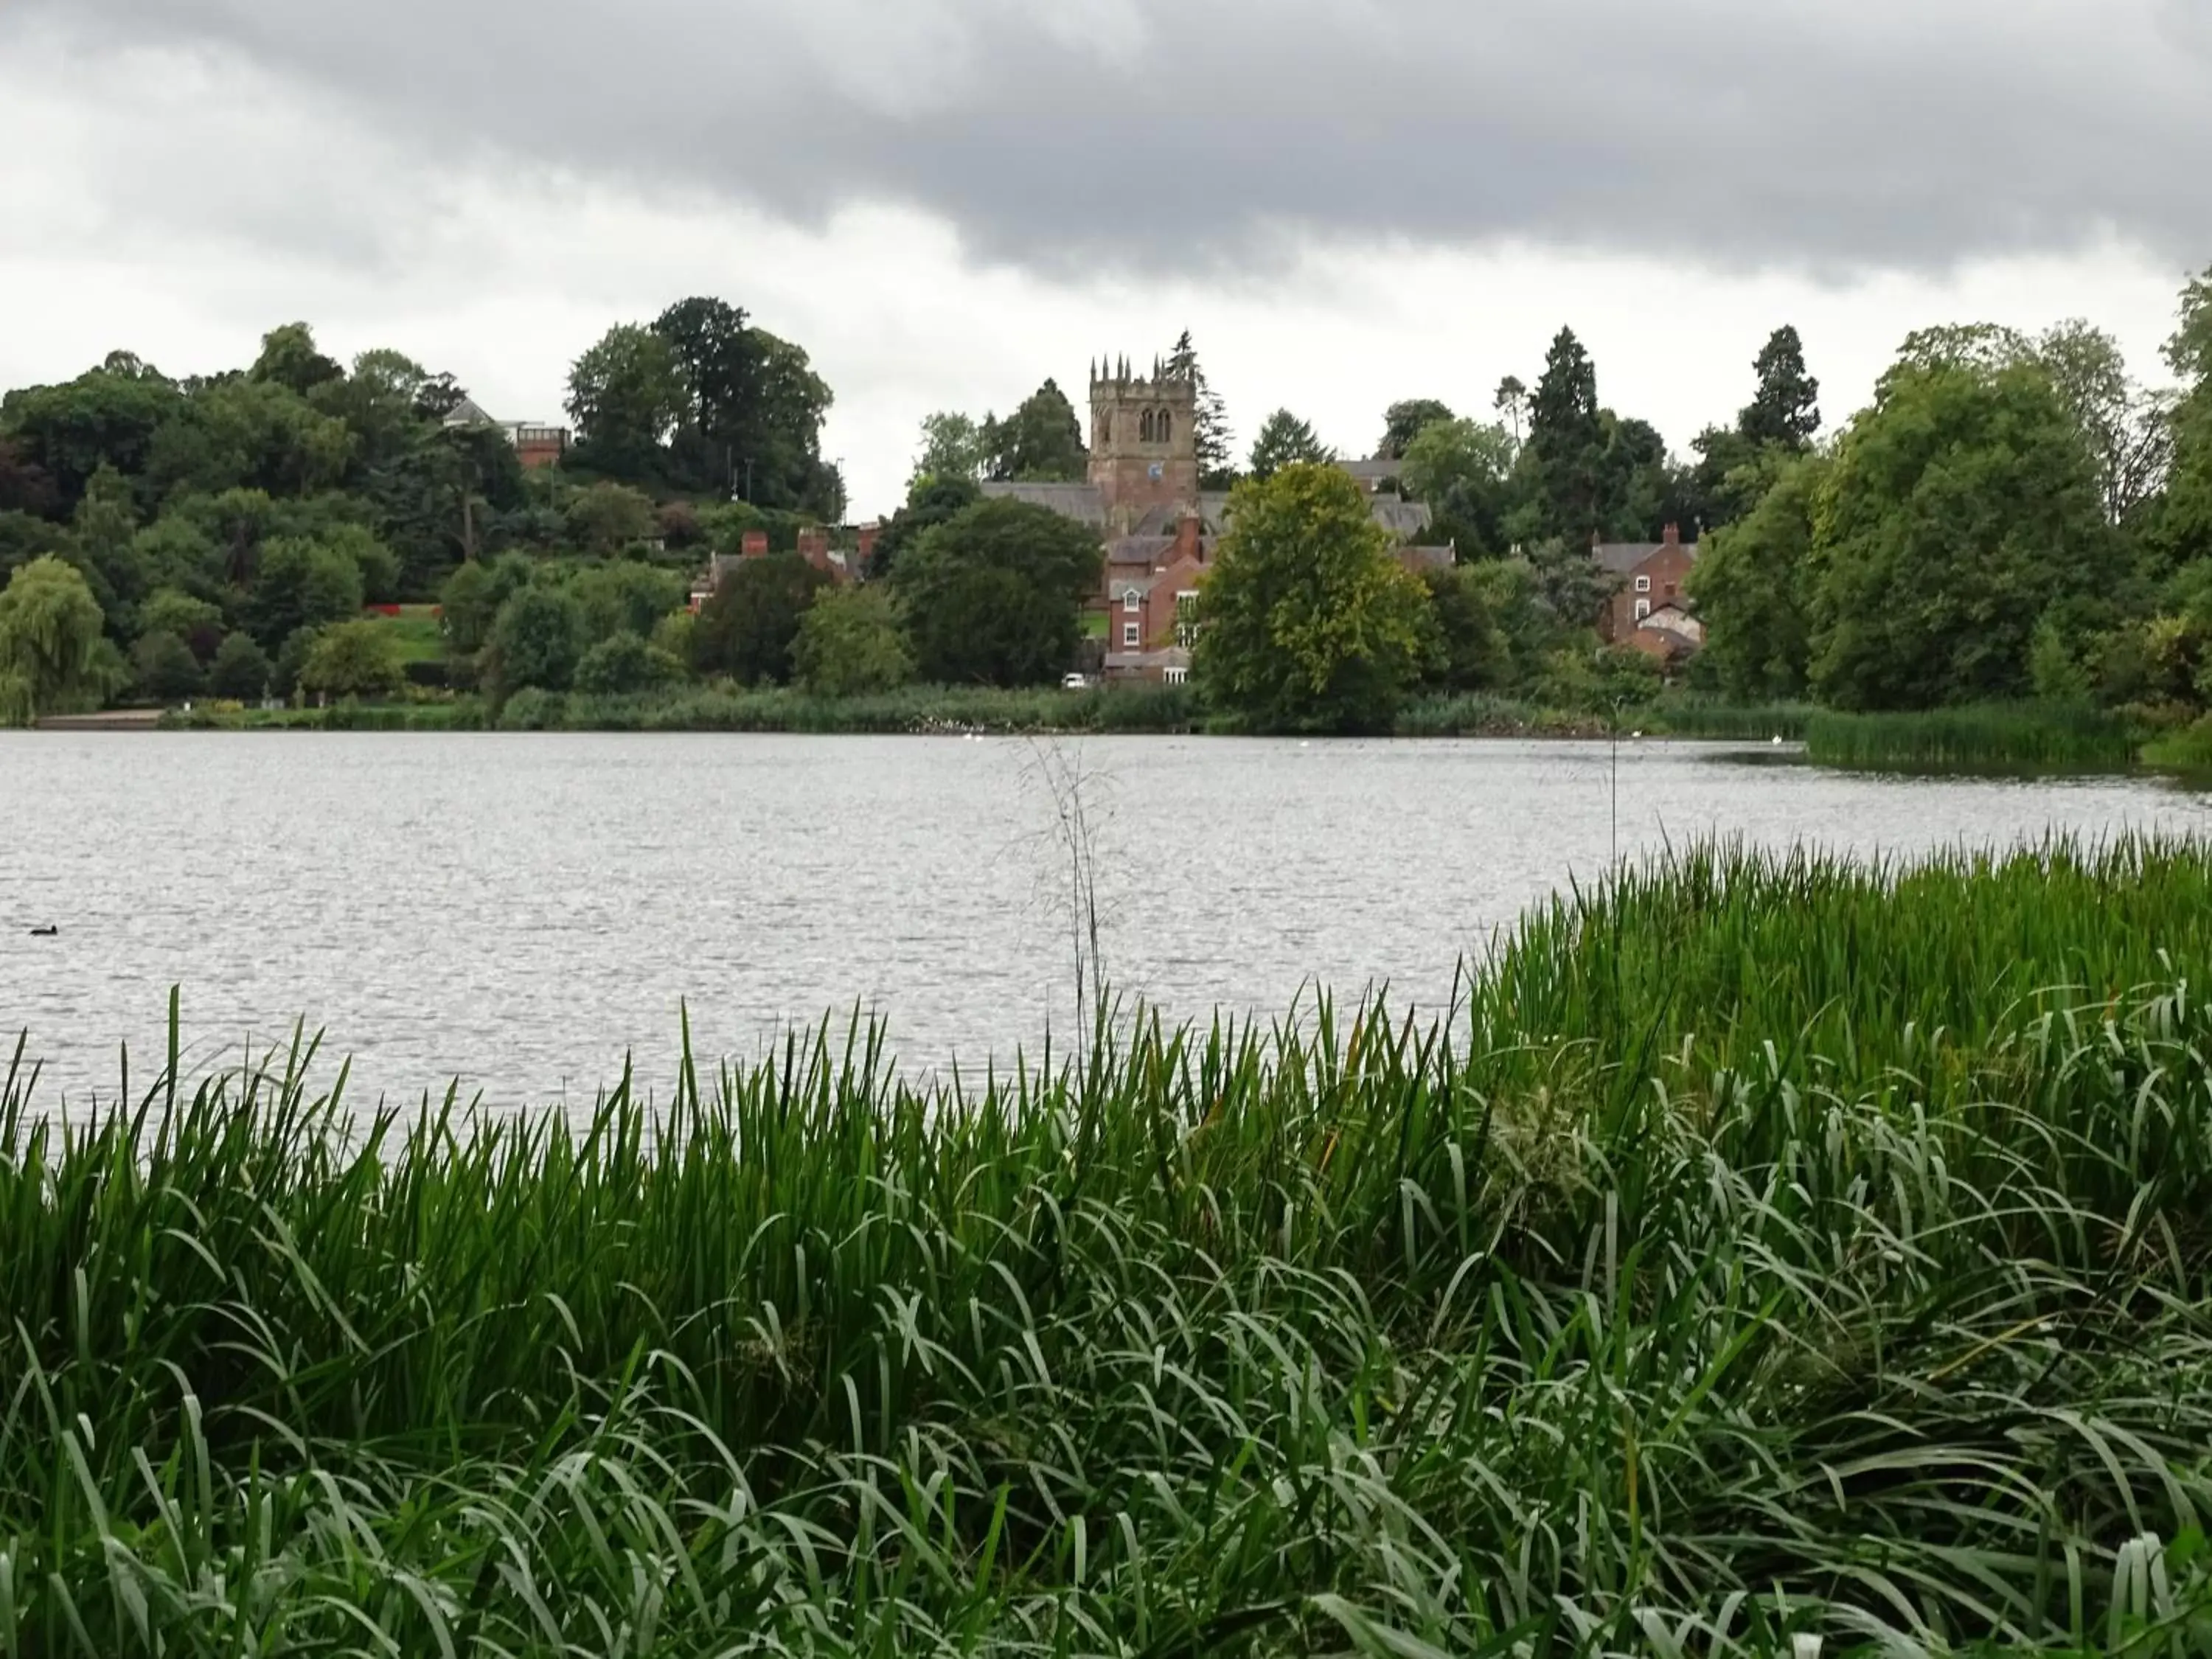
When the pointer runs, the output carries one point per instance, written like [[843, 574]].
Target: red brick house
[[1649, 609], [1152, 588]]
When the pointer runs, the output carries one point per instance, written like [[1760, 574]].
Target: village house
[[536, 445], [1649, 609], [1160, 530], [844, 567]]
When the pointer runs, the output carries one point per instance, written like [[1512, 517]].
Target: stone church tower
[[1144, 445]]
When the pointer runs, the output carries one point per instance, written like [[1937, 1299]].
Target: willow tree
[[50, 643]]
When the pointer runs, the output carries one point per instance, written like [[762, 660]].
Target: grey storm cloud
[[1836, 136]]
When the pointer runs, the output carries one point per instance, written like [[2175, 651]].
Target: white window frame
[[1643, 609], [1175, 676], [1131, 600], [1186, 610], [1644, 584], [1133, 637]]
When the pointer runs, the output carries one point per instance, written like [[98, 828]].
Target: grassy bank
[[1766, 1246], [1990, 737]]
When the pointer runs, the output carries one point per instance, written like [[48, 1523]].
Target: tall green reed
[[1765, 1246], [1992, 737]]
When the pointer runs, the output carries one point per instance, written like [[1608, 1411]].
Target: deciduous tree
[[625, 396], [301, 584], [242, 669], [1307, 623], [929, 503], [165, 667], [357, 658], [103, 418], [608, 517], [1751, 584], [993, 595], [1041, 441], [1961, 508], [951, 448], [623, 663], [1402, 423], [851, 644], [746, 628], [194, 620], [288, 358], [1463, 469], [536, 640], [50, 643], [622, 596]]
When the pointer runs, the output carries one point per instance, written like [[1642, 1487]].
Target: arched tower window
[[1163, 426], [1145, 427]]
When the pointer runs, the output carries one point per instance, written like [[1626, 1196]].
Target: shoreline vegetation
[[2001, 738], [1766, 1247], [983, 710]]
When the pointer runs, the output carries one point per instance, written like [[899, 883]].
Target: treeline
[[162, 536], [2013, 517]]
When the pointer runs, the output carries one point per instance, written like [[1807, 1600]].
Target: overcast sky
[[945, 201]]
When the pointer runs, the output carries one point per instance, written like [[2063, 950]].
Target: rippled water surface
[[519, 910]]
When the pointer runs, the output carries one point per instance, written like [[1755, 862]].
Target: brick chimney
[[1188, 543], [814, 547], [868, 533], [1673, 538], [754, 545]]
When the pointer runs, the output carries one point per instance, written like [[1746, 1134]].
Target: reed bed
[[1987, 737], [1766, 1248], [1702, 717]]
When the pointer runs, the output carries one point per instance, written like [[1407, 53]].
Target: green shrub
[[165, 668], [532, 709], [242, 669], [625, 664]]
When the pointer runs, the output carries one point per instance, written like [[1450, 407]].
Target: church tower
[[1144, 444]]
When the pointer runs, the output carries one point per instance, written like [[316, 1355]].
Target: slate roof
[[1160, 521], [1622, 557], [1420, 559], [1400, 517], [469, 412], [1373, 471], [1146, 551], [1080, 502]]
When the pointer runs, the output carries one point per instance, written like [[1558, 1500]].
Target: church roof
[[1080, 502]]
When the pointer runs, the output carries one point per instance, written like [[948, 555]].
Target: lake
[[519, 910]]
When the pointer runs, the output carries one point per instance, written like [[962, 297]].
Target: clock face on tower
[[1159, 471]]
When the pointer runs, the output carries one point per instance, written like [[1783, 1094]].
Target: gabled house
[[1650, 609]]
